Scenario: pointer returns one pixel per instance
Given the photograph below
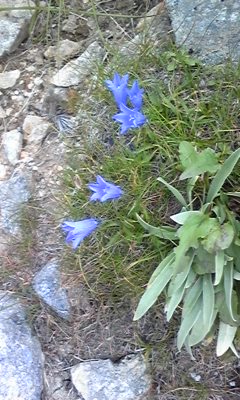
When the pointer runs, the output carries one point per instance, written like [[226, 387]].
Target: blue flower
[[118, 87], [104, 190], [77, 231], [135, 95], [129, 118]]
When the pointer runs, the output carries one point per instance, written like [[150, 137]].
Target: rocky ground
[[52, 314]]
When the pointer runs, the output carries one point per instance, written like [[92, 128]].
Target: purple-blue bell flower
[[104, 190], [129, 118], [118, 87], [135, 95], [77, 231]]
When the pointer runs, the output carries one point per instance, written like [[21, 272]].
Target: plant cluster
[[201, 272]]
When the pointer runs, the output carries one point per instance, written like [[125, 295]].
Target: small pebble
[[195, 376]]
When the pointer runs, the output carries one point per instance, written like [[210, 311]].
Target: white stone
[[38, 81], [35, 129], [2, 113], [3, 171], [9, 78], [75, 71], [12, 145]]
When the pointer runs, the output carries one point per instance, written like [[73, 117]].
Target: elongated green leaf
[[223, 309], [174, 301], [181, 218], [174, 191], [234, 194], [164, 232], [198, 334], [222, 175], [208, 301], [190, 279], [219, 265], [153, 291], [188, 322], [178, 279], [166, 261], [232, 347], [192, 297], [225, 338], [228, 287]]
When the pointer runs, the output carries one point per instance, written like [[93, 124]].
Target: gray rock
[[14, 24], [64, 50], [75, 71], [9, 78], [21, 359], [12, 145], [47, 285], [13, 193], [104, 380], [209, 29], [35, 129], [154, 29]]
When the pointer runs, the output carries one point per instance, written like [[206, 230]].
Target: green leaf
[[166, 261], [192, 296], [190, 279], [223, 309], [234, 194], [225, 338], [219, 265], [222, 175], [220, 237], [195, 227], [196, 164], [197, 335], [181, 218], [204, 262], [153, 291], [208, 301], [234, 252], [178, 279], [187, 323], [164, 232], [228, 287], [174, 191], [174, 301], [187, 154]]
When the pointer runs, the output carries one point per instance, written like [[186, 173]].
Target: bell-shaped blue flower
[[104, 190], [118, 87], [129, 118], [77, 231], [136, 95]]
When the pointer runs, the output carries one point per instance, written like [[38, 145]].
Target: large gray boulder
[[208, 29], [14, 24], [21, 359]]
